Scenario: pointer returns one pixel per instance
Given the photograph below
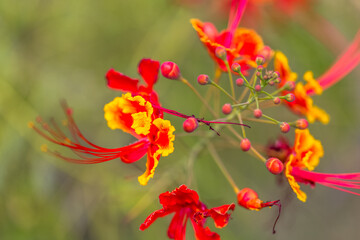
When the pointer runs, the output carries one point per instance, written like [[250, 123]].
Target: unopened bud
[[290, 85], [257, 113], [203, 79], [239, 82], [277, 100], [249, 199], [220, 52], [190, 124], [245, 144], [260, 60], [236, 67], [170, 70], [290, 97], [275, 74], [284, 127], [258, 88], [274, 165], [302, 123], [271, 82], [259, 68], [226, 108]]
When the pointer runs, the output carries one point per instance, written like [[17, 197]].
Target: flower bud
[[260, 60], [190, 124], [274, 165], [258, 88], [249, 199], [259, 68], [170, 70], [290, 85], [236, 67], [276, 74], [220, 52], [239, 82], [245, 144], [257, 113], [226, 108], [203, 79], [290, 97], [271, 82], [284, 127], [302, 123], [276, 100]]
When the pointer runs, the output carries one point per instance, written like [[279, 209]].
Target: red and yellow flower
[[133, 113], [303, 103], [302, 161], [242, 45], [185, 205]]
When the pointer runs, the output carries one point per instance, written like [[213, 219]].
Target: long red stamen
[[343, 65], [270, 204], [336, 181], [87, 155]]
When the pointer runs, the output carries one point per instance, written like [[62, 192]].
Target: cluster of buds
[[139, 112]]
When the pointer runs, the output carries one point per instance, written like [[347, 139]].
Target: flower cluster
[[240, 54]]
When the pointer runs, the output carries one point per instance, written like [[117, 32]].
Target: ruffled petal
[[149, 70], [152, 217], [119, 81], [220, 214]]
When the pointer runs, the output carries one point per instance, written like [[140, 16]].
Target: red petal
[[134, 154], [152, 217], [202, 233], [177, 228], [149, 70], [182, 196], [119, 81], [220, 214]]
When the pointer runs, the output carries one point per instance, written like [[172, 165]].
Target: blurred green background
[[52, 50]]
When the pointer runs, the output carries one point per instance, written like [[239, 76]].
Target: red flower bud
[[249, 199], [260, 60], [258, 88], [302, 123], [284, 127], [277, 100], [239, 82], [290, 97], [190, 124], [274, 165], [245, 144], [257, 113], [170, 70], [203, 79], [220, 52], [236, 67], [227, 108], [290, 85]]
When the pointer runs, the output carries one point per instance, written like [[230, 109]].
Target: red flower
[[133, 113], [241, 45], [185, 203], [306, 154]]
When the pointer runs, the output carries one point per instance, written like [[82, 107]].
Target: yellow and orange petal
[[293, 184], [303, 105], [311, 83], [130, 114], [281, 65], [161, 138], [307, 150]]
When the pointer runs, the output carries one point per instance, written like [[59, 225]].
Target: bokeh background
[[52, 50]]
